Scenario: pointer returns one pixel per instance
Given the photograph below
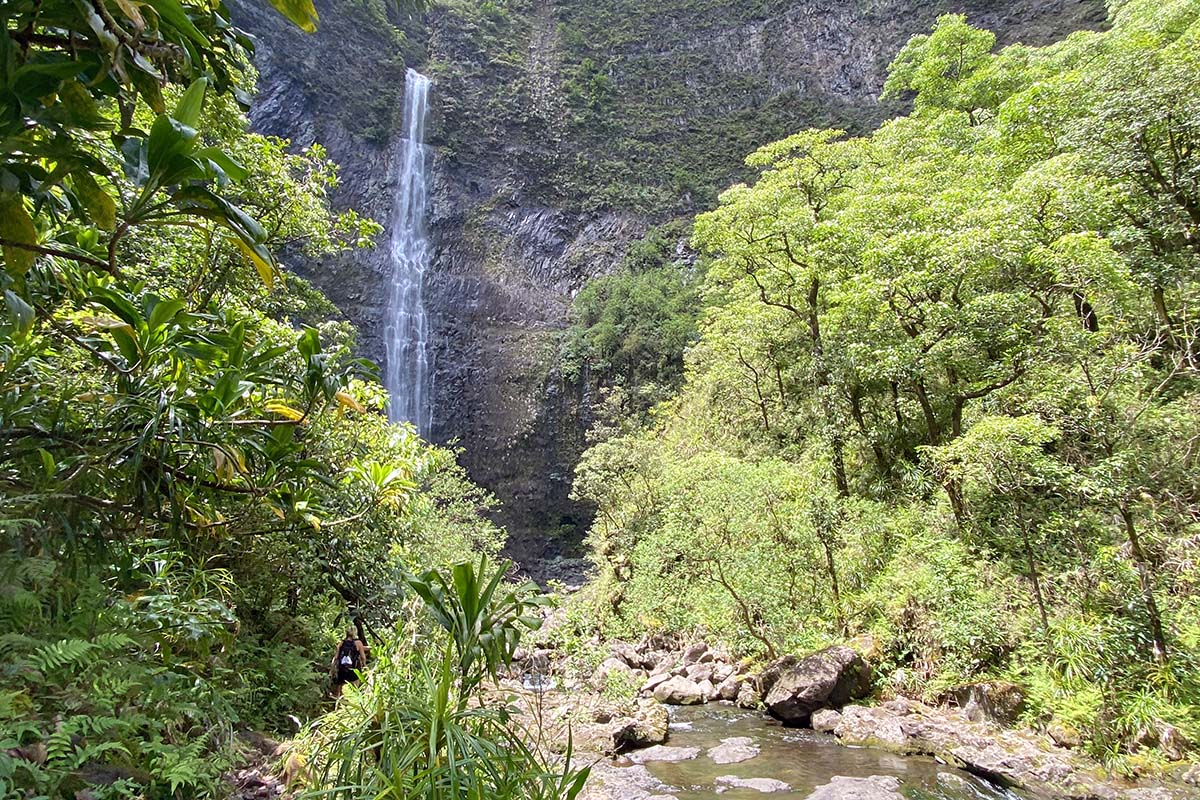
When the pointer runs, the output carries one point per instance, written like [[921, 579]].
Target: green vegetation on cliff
[[946, 391]]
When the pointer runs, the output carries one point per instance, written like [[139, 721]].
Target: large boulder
[[876, 787], [747, 696], [648, 726], [679, 691], [989, 701], [828, 678]]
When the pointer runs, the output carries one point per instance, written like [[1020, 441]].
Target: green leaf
[[188, 109], [300, 12], [21, 311], [163, 311], [259, 256], [16, 226], [174, 14], [99, 204]]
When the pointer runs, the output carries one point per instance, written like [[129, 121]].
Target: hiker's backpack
[[348, 655]]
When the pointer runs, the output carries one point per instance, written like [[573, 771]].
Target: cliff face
[[563, 129]]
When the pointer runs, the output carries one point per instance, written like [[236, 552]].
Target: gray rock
[[825, 720], [697, 653], [876, 787], [707, 690], [700, 672], [734, 750], [729, 688], [629, 654], [645, 728], [953, 781], [994, 701], [655, 680], [827, 678], [662, 752], [764, 785], [679, 691], [748, 696]]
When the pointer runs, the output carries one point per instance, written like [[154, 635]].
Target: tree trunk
[[1143, 570]]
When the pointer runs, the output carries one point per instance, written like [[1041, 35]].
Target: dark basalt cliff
[[562, 130]]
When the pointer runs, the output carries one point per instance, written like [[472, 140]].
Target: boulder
[[748, 696], [707, 690], [655, 680], [645, 728], [697, 653], [766, 679], [825, 720], [828, 678], [764, 785], [629, 654], [734, 750], [678, 691], [876, 787], [662, 752], [700, 672], [991, 701], [729, 688], [721, 672]]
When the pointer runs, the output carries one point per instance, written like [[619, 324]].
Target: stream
[[799, 757]]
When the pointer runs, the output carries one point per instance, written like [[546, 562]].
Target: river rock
[[876, 787], [766, 679], [827, 678], [952, 781], [995, 701], [679, 691], [697, 653], [662, 752], [748, 696], [1003, 756], [629, 654], [825, 720], [729, 688], [654, 680], [708, 691], [764, 785], [645, 728], [734, 750], [700, 672], [611, 666]]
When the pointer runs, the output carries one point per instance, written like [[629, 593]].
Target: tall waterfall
[[407, 330]]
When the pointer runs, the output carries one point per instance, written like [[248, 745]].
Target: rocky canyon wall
[[562, 129]]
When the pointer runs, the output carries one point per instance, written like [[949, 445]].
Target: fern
[[62, 654]]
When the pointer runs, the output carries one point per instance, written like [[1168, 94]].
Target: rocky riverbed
[[702, 724]]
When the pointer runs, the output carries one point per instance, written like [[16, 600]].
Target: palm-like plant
[[420, 727]]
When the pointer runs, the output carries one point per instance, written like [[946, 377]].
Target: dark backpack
[[348, 657]]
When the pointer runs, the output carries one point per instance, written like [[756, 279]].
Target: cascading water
[[407, 331]]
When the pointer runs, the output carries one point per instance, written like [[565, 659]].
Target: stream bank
[[698, 726]]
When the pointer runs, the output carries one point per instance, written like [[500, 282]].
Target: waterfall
[[406, 333]]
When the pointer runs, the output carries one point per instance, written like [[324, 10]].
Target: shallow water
[[802, 758]]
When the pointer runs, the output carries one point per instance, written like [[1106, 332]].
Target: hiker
[[348, 658]]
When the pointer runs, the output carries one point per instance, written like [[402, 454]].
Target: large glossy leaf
[[300, 12], [16, 226]]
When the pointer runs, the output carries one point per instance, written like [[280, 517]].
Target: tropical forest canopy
[[944, 393]]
